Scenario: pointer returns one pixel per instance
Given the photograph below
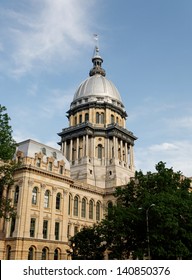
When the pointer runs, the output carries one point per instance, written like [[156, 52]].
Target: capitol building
[[59, 191]]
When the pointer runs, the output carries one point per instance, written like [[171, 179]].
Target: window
[[76, 230], [109, 206], [83, 208], [91, 209], [76, 205], [8, 252], [58, 201], [86, 117], [57, 230], [68, 231], [97, 117], [98, 211], [34, 195], [50, 166], [99, 151], [61, 169], [112, 119], [80, 118], [46, 198], [16, 196], [102, 118], [45, 229], [32, 227], [38, 162], [31, 253], [56, 254], [44, 255], [12, 226], [55, 155]]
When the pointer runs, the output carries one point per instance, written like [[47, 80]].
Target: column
[[121, 150], [77, 148], [64, 148], [71, 147], [83, 152], [126, 155], [86, 146]]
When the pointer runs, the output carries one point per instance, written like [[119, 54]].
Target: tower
[[97, 143]]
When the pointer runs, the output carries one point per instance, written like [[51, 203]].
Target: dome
[[97, 86]]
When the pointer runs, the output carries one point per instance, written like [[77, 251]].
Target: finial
[[97, 60], [96, 50]]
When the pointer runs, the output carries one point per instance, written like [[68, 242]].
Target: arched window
[[46, 198], [58, 201], [97, 117], [86, 117], [98, 211], [34, 195], [99, 147], [109, 207], [112, 119], [76, 206], [83, 208], [31, 253], [102, 118], [44, 254], [56, 254], [91, 209], [16, 196], [8, 252]]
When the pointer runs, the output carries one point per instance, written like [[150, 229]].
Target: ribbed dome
[[97, 86]]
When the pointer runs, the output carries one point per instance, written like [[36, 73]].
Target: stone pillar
[[86, 146], [71, 148], [83, 146], [126, 153], [77, 148]]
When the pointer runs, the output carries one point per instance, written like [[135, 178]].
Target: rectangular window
[[50, 166], [12, 226], [32, 227], [45, 229], [76, 230], [38, 163], [57, 230], [61, 169]]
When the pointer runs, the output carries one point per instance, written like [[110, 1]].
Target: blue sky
[[45, 53]]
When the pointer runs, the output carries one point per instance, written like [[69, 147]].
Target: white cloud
[[176, 154], [57, 103], [46, 31]]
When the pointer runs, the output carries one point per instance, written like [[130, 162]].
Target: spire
[[97, 60]]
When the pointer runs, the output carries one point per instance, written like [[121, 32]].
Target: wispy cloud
[[38, 35], [176, 154]]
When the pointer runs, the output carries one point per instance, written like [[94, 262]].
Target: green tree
[[153, 216], [88, 244], [7, 165]]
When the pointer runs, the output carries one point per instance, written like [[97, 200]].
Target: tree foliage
[[7, 165], [152, 218], [88, 244]]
